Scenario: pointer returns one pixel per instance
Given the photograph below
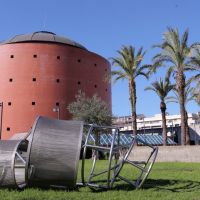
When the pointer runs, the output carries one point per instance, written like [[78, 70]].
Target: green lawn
[[170, 180]]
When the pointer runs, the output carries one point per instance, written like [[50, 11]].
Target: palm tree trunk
[[187, 129], [163, 108], [132, 91], [180, 82]]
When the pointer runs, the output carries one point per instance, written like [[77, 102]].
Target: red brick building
[[43, 71]]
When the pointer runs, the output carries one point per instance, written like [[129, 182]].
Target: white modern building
[[153, 126], [125, 122]]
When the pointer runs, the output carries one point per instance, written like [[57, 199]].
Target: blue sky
[[102, 27]]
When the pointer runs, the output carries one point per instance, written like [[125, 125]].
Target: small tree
[[91, 111]]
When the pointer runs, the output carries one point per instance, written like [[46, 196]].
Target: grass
[[169, 180]]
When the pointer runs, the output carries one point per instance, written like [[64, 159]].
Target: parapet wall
[[167, 154]]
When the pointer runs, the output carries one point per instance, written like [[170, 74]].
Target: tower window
[[9, 103], [79, 60], [106, 90], [79, 83], [33, 103], [34, 79], [58, 80], [106, 70], [95, 65], [57, 104], [95, 86], [58, 57], [34, 56], [10, 80], [8, 128], [12, 56]]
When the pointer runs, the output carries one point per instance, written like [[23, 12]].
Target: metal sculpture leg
[[11, 160], [143, 169]]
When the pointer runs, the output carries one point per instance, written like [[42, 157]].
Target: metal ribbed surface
[[6, 156], [54, 152], [42, 36]]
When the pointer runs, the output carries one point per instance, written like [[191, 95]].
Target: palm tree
[[196, 63], [131, 68], [178, 53], [175, 99], [162, 89], [195, 96]]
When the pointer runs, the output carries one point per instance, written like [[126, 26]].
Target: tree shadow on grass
[[152, 184], [162, 184], [149, 184]]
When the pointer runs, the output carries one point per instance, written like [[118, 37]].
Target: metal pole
[[58, 113], [107, 138], [57, 110], [132, 121], [195, 132], [144, 130], [172, 132], [118, 141], [1, 104], [44, 19]]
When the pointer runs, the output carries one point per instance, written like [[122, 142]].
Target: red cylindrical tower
[[43, 71]]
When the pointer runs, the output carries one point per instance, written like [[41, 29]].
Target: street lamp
[[172, 130], [1, 105], [195, 132], [143, 128], [57, 110]]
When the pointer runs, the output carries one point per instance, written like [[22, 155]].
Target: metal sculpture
[[50, 159], [113, 150]]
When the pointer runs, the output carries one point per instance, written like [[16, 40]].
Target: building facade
[[143, 122], [152, 126], [41, 72]]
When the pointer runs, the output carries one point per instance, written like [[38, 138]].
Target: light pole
[[1, 104], [172, 130], [144, 130], [57, 110], [195, 132]]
